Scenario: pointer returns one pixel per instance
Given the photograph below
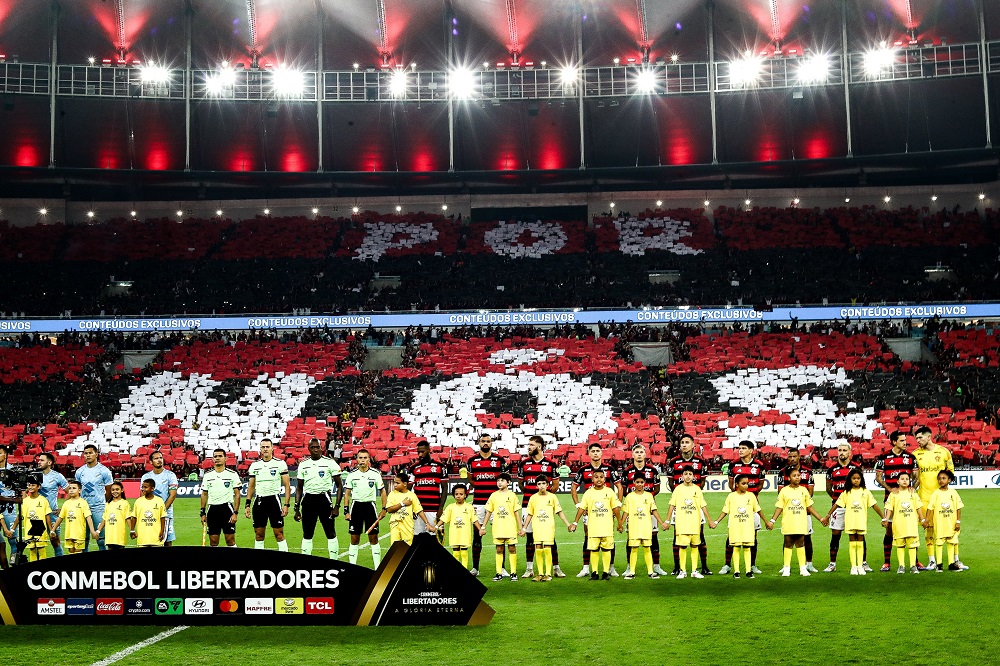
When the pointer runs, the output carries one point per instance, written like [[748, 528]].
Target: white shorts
[[837, 519], [656, 525], [420, 527], [809, 523], [524, 514], [756, 522], [481, 514]]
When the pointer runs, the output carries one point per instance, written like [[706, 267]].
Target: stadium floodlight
[[91, 60], [645, 81], [814, 70], [218, 212], [847, 199], [747, 202], [133, 213], [612, 205], [287, 82], [90, 214], [878, 60], [674, 58], [461, 83], [707, 203], [155, 74], [315, 211], [659, 202], [887, 198], [43, 211], [222, 79], [355, 210], [568, 75], [982, 195], [180, 213], [397, 83], [933, 197], [399, 209], [795, 201], [444, 206], [745, 72], [267, 211]]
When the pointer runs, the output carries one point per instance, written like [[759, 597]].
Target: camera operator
[[9, 500]]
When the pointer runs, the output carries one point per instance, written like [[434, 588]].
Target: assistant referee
[[363, 485], [220, 493], [314, 501]]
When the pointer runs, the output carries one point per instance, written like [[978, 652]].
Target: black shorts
[[363, 516], [217, 518], [267, 509], [317, 506]]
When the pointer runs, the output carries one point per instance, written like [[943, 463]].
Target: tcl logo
[[110, 607], [319, 606]]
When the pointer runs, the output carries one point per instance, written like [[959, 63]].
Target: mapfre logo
[[198, 607], [319, 606], [110, 607], [51, 606], [258, 606]]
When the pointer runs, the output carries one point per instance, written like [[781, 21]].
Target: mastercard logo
[[229, 606]]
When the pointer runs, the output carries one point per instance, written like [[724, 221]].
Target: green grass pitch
[[880, 618]]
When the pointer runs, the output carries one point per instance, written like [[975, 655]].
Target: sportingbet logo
[[319, 606], [110, 606], [51, 606], [169, 606], [80, 607], [198, 607], [258, 606], [288, 606]]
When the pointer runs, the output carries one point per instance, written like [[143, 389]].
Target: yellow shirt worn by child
[[401, 522], [543, 510], [794, 504], [688, 502], [116, 515], [856, 503], [741, 508], [460, 519], [148, 513], [639, 509]]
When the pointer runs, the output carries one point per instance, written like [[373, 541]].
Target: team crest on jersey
[[598, 505], [322, 473], [225, 483], [688, 502], [945, 505], [742, 510], [371, 484], [796, 502], [274, 472], [905, 505]]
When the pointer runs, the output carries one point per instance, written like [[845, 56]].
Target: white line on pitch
[[118, 656]]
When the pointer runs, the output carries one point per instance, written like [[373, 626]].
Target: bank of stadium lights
[[267, 211], [315, 211], [645, 81], [814, 69], [91, 61], [399, 209], [795, 201], [444, 206], [886, 199], [43, 211], [133, 213], [659, 202], [982, 196], [674, 58], [933, 197], [180, 213], [707, 203], [569, 75], [397, 83], [461, 83], [745, 72], [218, 212], [155, 74], [220, 80], [287, 82], [355, 210], [879, 60], [90, 214]]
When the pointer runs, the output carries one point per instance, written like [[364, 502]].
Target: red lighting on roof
[[27, 155]]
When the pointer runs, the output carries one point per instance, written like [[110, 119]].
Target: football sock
[[655, 549], [555, 555], [633, 559], [864, 549], [737, 552], [957, 558], [930, 547], [477, 548], [283, 546], [938, 553], [951, 553], [684, 558], [529, 547], [834, 547], [613, 548], [333, 546], [788, 557], [913, 555], [376, 555], [901, 555], [586, 553], [801, 555], [809, 548], [677, 556], [703, 553], [753, 553], [352, 554], [513, 563], [307, 546], [729, 553], [258, 545], [463, 557], [628, 556], [648, 555], [747, 560], [606, 558], [499, 560]]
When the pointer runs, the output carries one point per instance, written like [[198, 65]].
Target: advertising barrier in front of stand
[[422, 584]]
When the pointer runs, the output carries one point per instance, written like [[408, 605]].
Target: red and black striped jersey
[[893, 464], [648, 472], [676, 466], [584, 478], [530, 470], [784, 476], [754, 471], [429, 477], [836, 479], [483, 474]]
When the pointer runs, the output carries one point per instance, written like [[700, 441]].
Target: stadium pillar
[[580, 89], [845, 66], [53, 78], [319, 86], [984, 66], [710, 5], [188, 83]]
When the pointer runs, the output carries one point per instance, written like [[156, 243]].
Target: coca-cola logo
[[110, 607]]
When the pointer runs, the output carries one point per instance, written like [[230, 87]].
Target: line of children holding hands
[[145, 522], [688, 509]]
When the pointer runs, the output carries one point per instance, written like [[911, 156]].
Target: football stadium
[[555, 332]]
